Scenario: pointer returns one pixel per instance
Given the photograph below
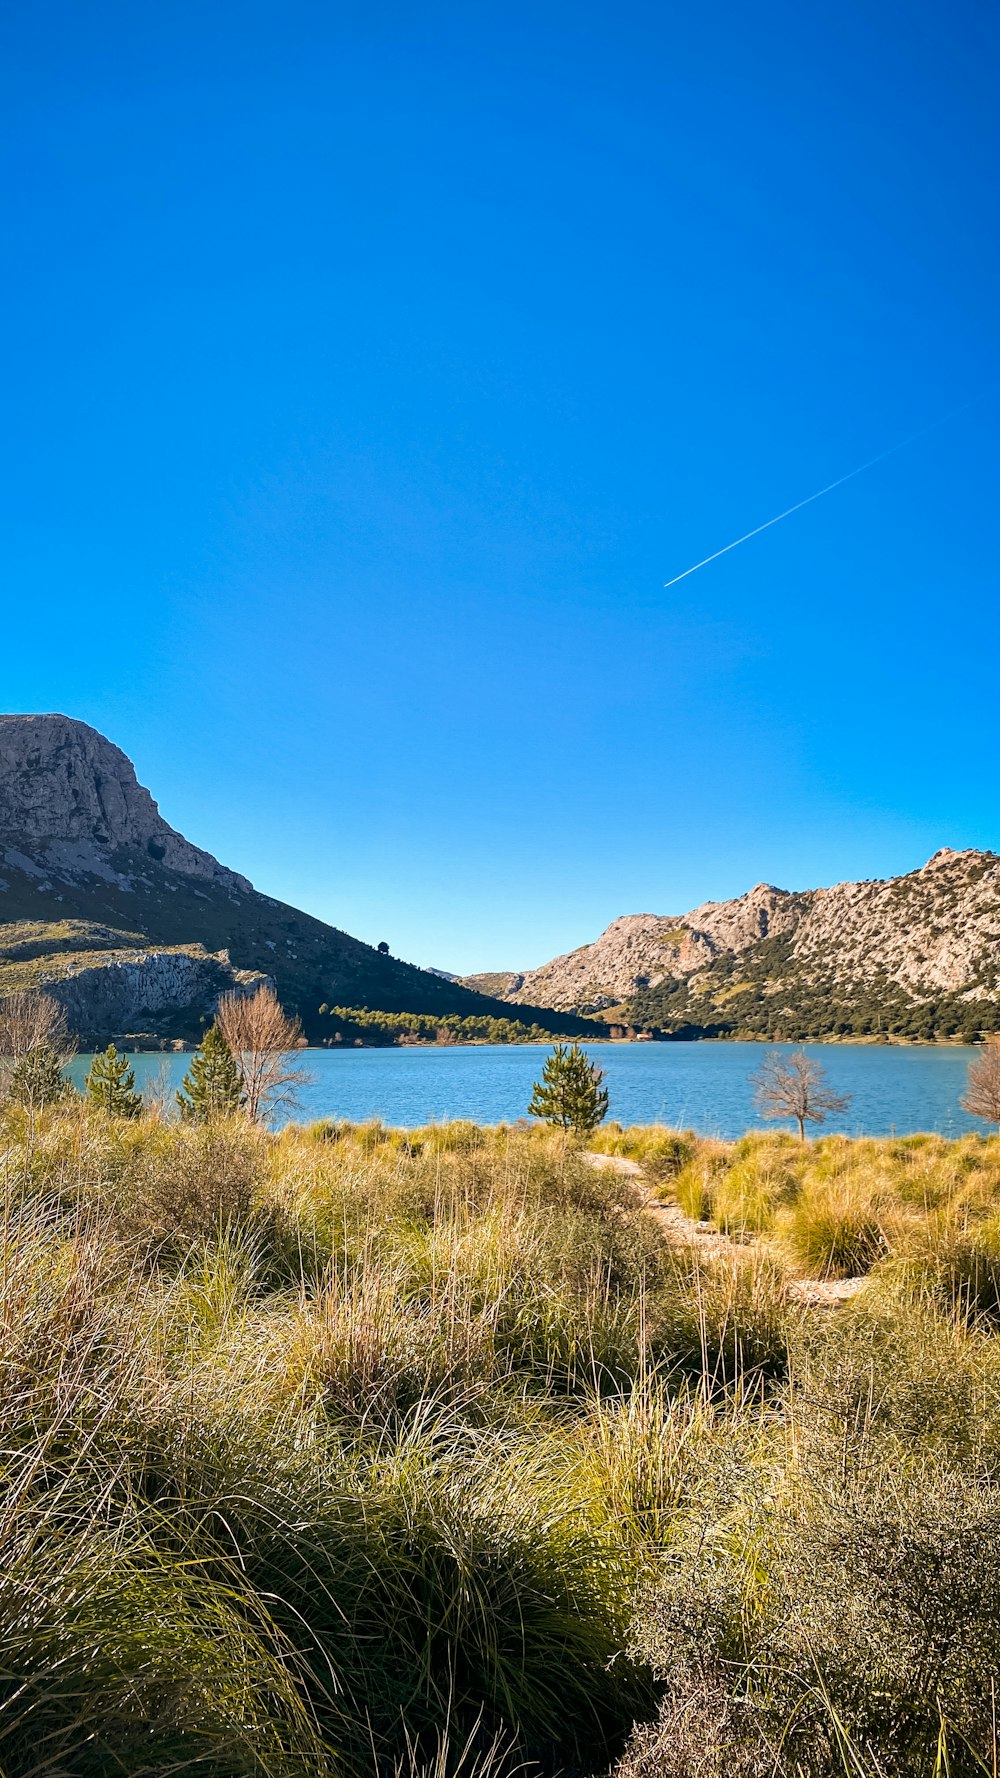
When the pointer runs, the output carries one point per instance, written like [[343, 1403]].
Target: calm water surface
[[698, 1086]]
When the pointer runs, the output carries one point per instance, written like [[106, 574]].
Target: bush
[[833, 1232], [189, 1182], [833, 1598]]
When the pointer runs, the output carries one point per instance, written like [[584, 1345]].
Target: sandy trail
[[682, 1230]]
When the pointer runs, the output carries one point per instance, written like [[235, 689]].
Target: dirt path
[[681, 1230]]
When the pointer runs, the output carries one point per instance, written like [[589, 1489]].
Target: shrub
[[834, 1231], [189, 1182], [833, 1598]]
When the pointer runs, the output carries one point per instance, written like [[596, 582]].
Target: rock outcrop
[[137, 930], [146, 994], [71, 806]]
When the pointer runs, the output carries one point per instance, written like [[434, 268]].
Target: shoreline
[[179, 1047]]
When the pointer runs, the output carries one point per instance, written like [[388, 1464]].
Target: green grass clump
[[748, 1196], [834, 1232], [289, 1442], [832, 1603], [411, 1454], [725, 1321]]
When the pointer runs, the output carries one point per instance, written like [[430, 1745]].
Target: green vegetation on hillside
[[490, 981], [309, 962], [767, 992], [33, 955], [359, 1024]]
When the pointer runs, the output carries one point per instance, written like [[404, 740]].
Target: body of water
[[698, 1086]]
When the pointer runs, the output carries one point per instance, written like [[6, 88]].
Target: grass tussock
[[418, 1454], [838, 1206]]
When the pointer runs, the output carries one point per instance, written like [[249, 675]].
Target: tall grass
[[286, 1471], [834, 1207], [418, 1454]]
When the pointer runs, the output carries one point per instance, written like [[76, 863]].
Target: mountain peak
[[72, 806], [137, 932], [917, 955], [947, 855]]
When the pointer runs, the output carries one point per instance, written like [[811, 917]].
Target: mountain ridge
[[94, 882], [914, 955]]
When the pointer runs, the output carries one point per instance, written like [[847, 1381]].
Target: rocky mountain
[[138, 932], [917, 955]]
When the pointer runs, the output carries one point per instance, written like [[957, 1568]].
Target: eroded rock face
[[138, 993], [71, 806], [935, 930]]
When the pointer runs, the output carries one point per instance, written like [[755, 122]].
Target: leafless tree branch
[[262, 1038], [982, 1092], [29, 1019], [795, 1086]]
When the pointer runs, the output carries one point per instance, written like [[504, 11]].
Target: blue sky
[[369, 369]]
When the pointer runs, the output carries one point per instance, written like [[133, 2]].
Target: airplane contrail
[[849, 477]]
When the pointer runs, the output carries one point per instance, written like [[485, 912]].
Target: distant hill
[[913, 956], [137, 931], [502, 982]]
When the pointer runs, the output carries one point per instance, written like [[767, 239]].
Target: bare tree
[[35, 1046], [261, 1036], [982, 1090], [158, 1093], [28, 1020], [794, 1086]]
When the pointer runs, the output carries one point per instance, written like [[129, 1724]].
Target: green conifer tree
[[111, 1085], [37, 1078], [570, 1093], [212, 1087]]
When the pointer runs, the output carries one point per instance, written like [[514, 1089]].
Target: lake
[[698, 1086]]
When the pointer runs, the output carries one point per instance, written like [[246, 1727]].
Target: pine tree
[[37, 1078], [111, 1085], [212, 1086], [570, 1093]]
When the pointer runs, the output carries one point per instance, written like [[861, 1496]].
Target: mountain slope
[[92, 879], [917, 955]]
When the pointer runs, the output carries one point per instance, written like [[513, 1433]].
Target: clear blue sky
[[369, 368]]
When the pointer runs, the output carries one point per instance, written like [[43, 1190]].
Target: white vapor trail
[[849, 477]]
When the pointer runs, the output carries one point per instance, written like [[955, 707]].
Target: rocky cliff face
[[137, 930], [862, 956], [71, 807], [640, 951], [143, 995]]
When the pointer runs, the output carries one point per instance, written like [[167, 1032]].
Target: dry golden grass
[[376, 1452]]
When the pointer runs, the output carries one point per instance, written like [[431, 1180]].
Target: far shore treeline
[[353, 1024]]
